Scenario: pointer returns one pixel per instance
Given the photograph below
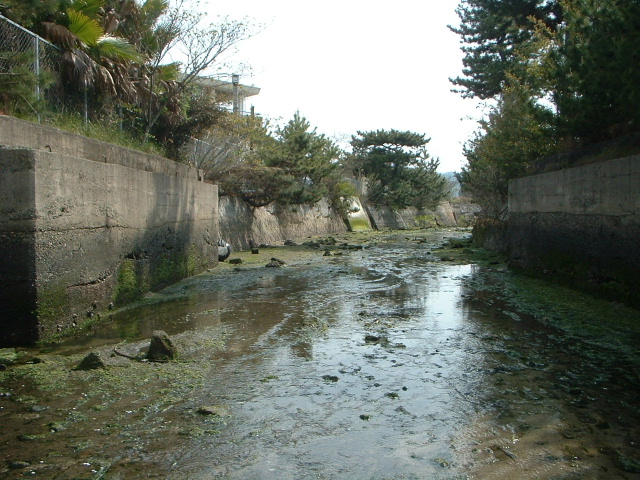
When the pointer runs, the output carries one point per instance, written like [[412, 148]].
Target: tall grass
[[106, 131]]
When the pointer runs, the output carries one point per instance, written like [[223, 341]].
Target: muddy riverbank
[[365, 356]]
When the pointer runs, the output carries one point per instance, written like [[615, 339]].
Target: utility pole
[[235, 80]]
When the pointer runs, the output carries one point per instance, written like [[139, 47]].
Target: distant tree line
[[557, 74]]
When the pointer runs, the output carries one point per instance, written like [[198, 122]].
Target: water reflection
[[338, 403]]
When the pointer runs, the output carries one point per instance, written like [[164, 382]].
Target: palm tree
[[93, 58]]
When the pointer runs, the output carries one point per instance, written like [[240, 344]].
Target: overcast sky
[[350, 65]]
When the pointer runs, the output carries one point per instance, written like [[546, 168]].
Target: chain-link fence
[[29, 69]]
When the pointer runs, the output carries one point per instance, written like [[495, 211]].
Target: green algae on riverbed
[[601, 322], [49, 396]]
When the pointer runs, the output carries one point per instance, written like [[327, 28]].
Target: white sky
[[354, 65]]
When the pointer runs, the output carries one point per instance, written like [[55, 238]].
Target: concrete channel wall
[[241, 224], [447, 214], [85, 225], [581, 225]]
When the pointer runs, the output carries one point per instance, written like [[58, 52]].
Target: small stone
[[215, 410], [56, 427], [235, 261], [275, 263], [92, 361], [17, 465]]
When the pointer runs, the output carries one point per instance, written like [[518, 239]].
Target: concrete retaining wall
[[77, 235], [607, 188], [22, 134], [443, 216], [241, 224], [580, 225]]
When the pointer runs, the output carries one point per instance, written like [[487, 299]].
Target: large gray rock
[[161, 348]]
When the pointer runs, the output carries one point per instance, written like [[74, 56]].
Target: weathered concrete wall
[[580, 225], [77, 235], [607, 188], [23, 134], [240, 224], [386, 218], [465, 212]]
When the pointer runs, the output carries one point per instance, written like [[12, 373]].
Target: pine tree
[[399, 171], [596, 77], [493, 32]]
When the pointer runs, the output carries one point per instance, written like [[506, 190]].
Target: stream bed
[[392, 361]]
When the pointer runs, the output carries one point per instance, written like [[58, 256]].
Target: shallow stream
[[381, 363]]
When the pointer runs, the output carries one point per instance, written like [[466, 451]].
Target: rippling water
[[382, 363]]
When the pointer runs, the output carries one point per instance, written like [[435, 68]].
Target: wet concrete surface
[[382, 363]]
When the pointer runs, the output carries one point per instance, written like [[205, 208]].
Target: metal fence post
[[37, 67], [13, 39]]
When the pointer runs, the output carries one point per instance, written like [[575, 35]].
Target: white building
[[233, 92]]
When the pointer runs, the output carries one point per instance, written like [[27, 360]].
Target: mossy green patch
[[359, 224], [129, 285], [603, 323], [461, 251], [192, 261], [168, 270], [173, 267], [52, 303]]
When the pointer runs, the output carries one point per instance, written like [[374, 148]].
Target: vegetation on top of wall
[[105, 131], [291, 165], [110, 60]]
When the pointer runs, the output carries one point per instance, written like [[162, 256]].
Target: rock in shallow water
[[91, 362], [275, 263], [161, 348], [215, 410]]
